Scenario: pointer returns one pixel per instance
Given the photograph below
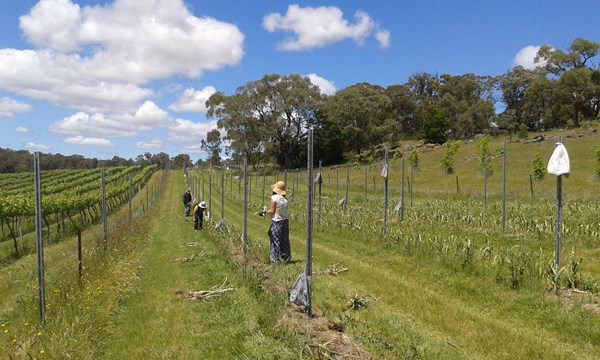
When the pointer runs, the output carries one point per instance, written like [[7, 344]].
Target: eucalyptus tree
[[468, 103], [269, 116], [403, 109], [244, 133], [576, 85], [557, 61], [212, 146], [363, 114], [538, 110], [513, 86], [424, 91]]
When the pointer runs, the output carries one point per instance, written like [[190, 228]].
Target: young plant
[[484, 153], [448, 159], [413, 158], [523, 133], [538, 170]]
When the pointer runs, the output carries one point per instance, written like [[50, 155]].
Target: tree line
[[266, 120], [15, 161]]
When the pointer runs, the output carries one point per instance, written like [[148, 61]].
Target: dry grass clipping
[[333, 270], [203, 294], [326, 339]]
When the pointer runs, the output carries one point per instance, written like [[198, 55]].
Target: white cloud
[[193, 100], [383, 38], [319, 27], [88, 141], [10, 107], [192, 149], [36, 147], [189, 132], [327, 87], [146, 118], [96, 58], [21, 130], [525, 58], [154, 144]]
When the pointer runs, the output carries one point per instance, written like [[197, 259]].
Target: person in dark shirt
[[187, 202], [199, 210]]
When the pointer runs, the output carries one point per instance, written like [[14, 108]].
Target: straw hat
[[202, 205], [279, 188]]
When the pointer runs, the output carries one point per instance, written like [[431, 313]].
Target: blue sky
[[125, 77]]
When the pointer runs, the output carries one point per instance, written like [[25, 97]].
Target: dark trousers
[[279, 236], [198, 221]]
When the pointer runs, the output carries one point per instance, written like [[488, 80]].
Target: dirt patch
[[325, 337], [570, 298]]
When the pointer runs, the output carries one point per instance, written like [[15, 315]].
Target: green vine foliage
[[483, 152], [523, 133], [413, 158], [448, 159], [537, 168]]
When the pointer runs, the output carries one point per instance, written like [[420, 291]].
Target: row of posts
[[39, 243]]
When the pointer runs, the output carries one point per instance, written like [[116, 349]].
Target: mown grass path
[[155, 324], [425, 308]]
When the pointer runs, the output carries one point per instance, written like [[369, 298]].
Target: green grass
[[445, 283]]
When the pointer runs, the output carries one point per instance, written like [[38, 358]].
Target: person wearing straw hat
[[199, 215], [279, 231]]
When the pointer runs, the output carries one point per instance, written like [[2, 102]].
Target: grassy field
[[446, 282]]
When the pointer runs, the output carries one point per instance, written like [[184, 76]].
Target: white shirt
[[281, 207]]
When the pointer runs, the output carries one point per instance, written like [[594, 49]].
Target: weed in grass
[[357, 302]]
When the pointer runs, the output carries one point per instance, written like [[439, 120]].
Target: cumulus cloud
[[21, 130], [88, 141], [327, 87], [383, 38], [96, 58], [10, 107], [192, 149], [189, 132], [146, 118], [154, 144], [525, 58], [319, 27], [193, 100], [36, 147]]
